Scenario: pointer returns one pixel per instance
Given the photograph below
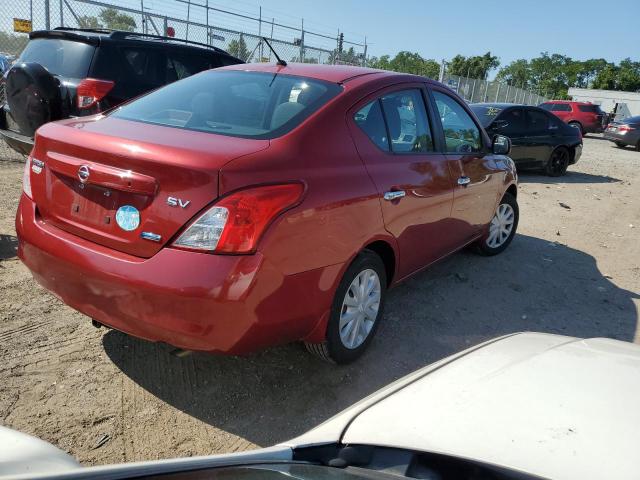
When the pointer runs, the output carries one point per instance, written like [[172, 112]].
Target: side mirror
[[501, 145], [499, 124]]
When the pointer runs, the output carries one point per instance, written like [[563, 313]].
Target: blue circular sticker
[[128, 218]]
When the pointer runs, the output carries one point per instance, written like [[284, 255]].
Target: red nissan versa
[[255, 205]]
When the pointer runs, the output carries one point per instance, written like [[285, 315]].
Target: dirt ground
[[105, 397]]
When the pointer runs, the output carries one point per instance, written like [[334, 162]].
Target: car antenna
[[280, 61]]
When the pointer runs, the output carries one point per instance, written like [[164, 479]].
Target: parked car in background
[[5, 64], [67, 72], [261, 204], [521, 407], [588, 117], [538, 139], [624, 132]]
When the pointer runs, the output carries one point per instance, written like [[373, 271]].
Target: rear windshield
[[486, 113], [60, 57], [635, 119], [590, 108], [234, 103]]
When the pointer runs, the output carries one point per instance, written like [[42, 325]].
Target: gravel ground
[[105, 397]]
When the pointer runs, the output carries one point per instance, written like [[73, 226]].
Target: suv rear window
[[590, 108], [233, 103], [60, 57]]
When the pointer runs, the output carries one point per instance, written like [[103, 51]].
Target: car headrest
[[285, 112]]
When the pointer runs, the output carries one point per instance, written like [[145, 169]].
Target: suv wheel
[[356, 310], [558, 162], [502, 228]]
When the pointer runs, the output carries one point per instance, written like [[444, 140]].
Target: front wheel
[[558, 162], [502, 228], [356, 310]]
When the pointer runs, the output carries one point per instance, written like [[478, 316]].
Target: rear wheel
[[558, 162], [619, 144], [502, 228], [356, 311], [638, 146]]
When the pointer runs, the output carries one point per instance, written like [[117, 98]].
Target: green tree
[[238, 48], [517, 72], [407, 62], [109, 18], [473, 67], [12, 43]]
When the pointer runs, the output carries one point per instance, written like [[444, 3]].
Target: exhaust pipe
[[179, 353], [96, 323]]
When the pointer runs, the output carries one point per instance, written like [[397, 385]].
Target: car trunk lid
[[97, 167]]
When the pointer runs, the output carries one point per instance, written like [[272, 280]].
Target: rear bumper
[[194, 301], [626, 139], [20, 143], [578, 153]]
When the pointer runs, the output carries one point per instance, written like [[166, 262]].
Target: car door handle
[[394, 195], [463, 181]]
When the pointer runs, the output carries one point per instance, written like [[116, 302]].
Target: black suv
[[76, 72]]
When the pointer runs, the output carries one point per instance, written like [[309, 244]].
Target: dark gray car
[[624, 132]]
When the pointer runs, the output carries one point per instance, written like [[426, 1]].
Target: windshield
[[234, 103], [60, 57], [486, 113]]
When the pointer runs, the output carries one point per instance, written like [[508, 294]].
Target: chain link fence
[[474, 90]]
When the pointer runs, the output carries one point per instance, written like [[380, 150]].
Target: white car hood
[[548, 405], [22, 454]]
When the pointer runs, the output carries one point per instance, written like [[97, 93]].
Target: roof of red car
[[329, 73], [568, 101]]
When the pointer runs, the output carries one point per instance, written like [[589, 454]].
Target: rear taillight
[[91, 90], [625, 128], [236, 223], [26, 178]]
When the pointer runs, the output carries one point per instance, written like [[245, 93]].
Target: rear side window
[[547, 106], [233, 103], [179, 65], [369, 119], [140, 62], [460, 131], [590, 108], [537, 121], [60, 57]]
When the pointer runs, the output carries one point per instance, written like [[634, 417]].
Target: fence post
[[506, 97], [486, 90], [364, 60], [208, 32], [61, 13], [473, 90], [302, 42], [165, 26], [497, 92], [260, 33], [47, 17], [441, 76]]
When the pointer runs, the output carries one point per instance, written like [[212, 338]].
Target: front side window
[[233, 103], [407, 122], [561, 107], [461, 134]]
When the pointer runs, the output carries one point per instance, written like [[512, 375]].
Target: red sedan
[[261, 204]]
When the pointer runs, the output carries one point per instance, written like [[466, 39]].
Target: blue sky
[[441, 29]]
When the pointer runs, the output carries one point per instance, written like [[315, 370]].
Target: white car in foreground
[[519, 407]]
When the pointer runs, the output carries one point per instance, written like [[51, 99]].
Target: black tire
[[638, 146], [620, 144], [33, 95], [578, 125], [483, 247], [333, 349], [558, 162]]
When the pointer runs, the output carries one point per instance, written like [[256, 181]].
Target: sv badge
[[177, 202]]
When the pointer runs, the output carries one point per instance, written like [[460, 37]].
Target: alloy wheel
[[559, 161], [501, 226], [360, 308]]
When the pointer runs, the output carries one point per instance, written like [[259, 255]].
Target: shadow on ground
[[8, 247], [569, 177], [275, 395]]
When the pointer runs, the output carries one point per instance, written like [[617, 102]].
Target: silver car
[[624, 132], [522, 406]]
